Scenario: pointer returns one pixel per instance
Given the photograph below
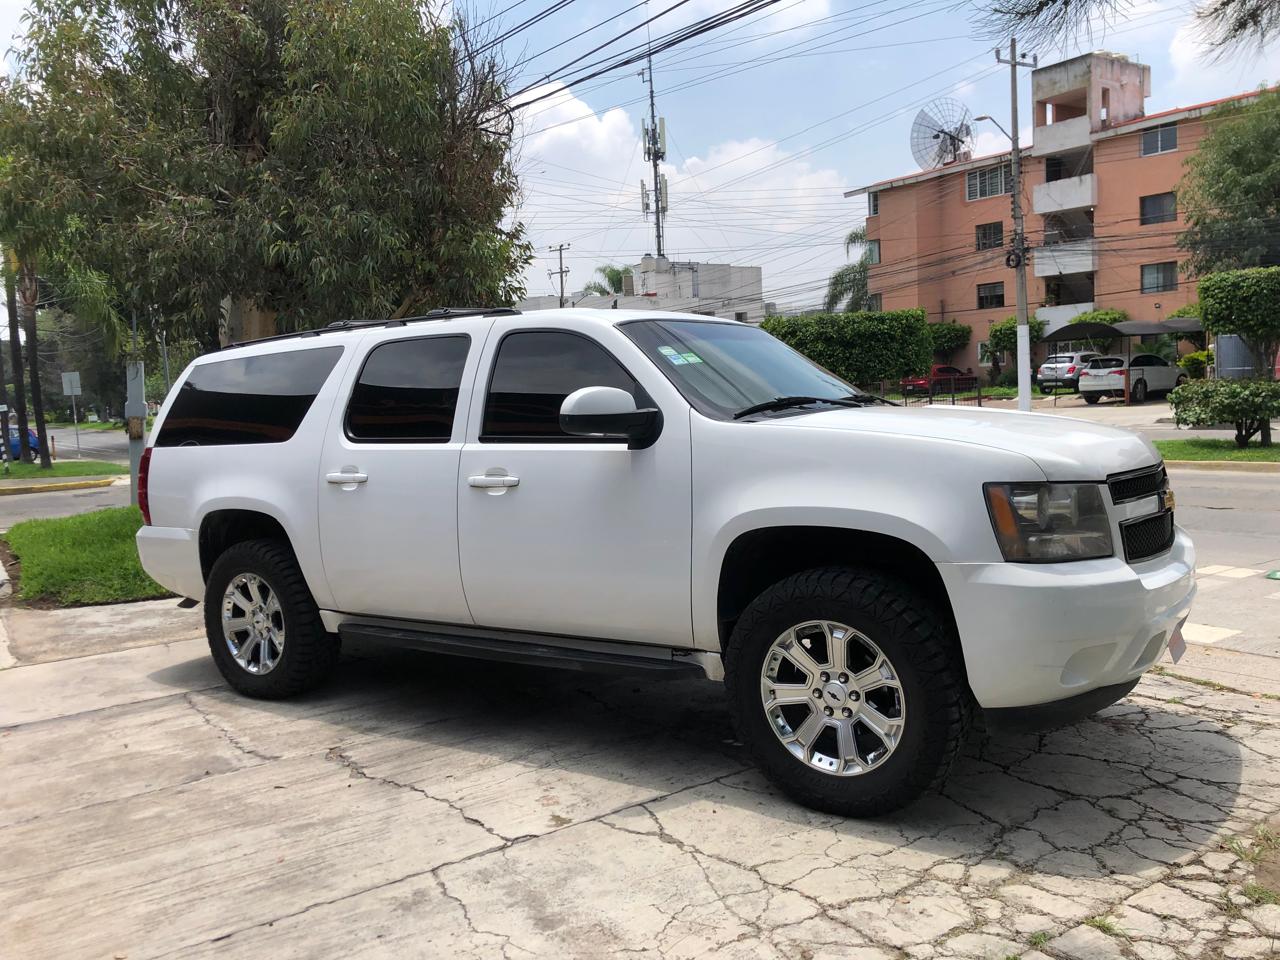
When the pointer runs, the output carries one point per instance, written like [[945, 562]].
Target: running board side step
[[569, 653]]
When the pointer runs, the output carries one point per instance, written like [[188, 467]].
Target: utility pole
[[135, 409], [560, 249], [655, 150], [1018, 257]]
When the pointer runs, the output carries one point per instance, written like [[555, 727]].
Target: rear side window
[[408, 391], [534, 372], [257, 399]]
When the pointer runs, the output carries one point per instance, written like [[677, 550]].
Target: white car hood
[[1063, 447]]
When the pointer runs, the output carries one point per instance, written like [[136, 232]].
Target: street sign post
[[71, 388]]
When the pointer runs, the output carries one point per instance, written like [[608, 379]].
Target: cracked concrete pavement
[[427, 807]]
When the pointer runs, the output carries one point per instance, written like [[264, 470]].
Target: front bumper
[[1039, 633], [171, 557]]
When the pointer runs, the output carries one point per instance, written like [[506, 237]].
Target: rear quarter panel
[[188, 483]]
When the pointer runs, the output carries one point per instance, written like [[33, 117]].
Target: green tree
[[612, 277], [1230, 194], [949, 338], [1002, 338], [848, 285], [1108, 316], [1246, 303], [238, 168]]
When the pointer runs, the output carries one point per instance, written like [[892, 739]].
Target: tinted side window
[[534, 372], [257, 399], [408, 391]]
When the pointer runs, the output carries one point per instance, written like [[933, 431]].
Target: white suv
[[666, 493]]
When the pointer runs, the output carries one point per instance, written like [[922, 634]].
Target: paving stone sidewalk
[[425, 807]]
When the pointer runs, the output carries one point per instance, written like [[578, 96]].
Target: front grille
[[1148, 536], [1136, 484]]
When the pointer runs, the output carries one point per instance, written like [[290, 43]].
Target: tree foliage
[[1230, 194], [1196, 364], [847, 287], [1246, 303], [863, 348], [1003, 335], [281, 163], [1108, 316], [949, 338], [1249, 404], [610, 282], [1224, 25]]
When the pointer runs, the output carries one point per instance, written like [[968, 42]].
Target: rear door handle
[[492, 481], [347, 477]]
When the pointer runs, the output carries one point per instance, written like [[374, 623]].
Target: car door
[[572, 535], [1161, 375], [388, 478]]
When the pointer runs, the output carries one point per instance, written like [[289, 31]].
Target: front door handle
[[347, 477], [493, 481]]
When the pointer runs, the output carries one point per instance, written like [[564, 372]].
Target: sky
[[770, 119]]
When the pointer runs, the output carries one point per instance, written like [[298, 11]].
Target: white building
[[656, 283]]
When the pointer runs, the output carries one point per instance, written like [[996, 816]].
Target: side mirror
[[610, 412]]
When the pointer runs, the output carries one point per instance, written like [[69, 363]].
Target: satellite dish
[[942, 133]]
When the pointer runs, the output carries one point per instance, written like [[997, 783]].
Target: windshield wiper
[[783, 403], [867, 399]]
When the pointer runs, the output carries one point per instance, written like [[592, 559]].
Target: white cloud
[[1199, 76], [741, 201]]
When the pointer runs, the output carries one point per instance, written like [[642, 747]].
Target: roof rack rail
[[337, 326]]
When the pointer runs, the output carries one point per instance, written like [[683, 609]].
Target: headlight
[[1046, 522]]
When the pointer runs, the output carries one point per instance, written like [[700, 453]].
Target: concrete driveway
[[426, 807]]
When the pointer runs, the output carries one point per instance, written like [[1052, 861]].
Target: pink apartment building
[[1099, 198]]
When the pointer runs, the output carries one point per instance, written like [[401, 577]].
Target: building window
[[1160, 139], [1158, 208], [740, 316], [992, 295], [989, 235], [873, 251], [873, 203], [991, 182], [873, 302], [984, 353], [1160, 277]]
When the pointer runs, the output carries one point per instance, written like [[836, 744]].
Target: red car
[[941, 379]]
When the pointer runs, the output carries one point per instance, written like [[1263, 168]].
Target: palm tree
[[612, 280], [848, 285]]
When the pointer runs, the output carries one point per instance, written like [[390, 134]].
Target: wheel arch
[[758, 558], [224, 527]]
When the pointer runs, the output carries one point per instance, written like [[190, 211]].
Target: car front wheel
[[263, 626], [848, 689]]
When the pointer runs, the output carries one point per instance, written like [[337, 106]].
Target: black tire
[[918, 641], [1091, 398], [308, 655], [1138, 393], [1046, 390]]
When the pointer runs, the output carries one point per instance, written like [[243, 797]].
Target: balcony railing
[[1069, 193], [1055, 259]]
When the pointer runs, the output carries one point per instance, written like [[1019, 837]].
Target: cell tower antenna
[[654, 134]]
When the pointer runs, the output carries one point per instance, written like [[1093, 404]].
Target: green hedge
[[1196, 363], [1249, 404], [863, 348], [1246, 303]]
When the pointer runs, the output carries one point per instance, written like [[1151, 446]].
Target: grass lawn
[[65, 468], [85, 559], [1217, 450], [97, 426]]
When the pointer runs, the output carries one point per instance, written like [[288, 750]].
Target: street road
[[110, 445], [28, 506]]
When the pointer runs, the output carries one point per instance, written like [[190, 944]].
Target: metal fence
[[948, 391]]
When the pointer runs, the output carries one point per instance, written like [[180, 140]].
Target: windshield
[[1064, 359], [723, 368], [1107, 363]]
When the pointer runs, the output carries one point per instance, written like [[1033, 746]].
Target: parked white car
[[624, 490], [1105, 376], [1062, 371]]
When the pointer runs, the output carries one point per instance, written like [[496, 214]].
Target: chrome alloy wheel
[[253, 623], [832, 698]]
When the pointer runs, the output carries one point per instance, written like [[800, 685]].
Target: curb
[[1244, 466], [43, 487]]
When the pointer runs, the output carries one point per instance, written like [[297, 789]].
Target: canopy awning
[[1126, 328]]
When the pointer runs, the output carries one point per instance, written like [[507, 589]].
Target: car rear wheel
[[848, 689], [263, 626], [1139, 392], [1091, 398]]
